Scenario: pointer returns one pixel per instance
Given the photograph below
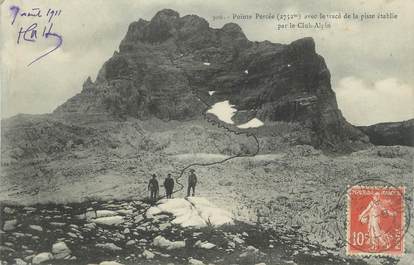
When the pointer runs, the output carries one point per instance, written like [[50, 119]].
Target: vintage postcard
[[206, 132]]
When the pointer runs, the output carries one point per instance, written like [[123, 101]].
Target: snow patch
[[201, 156], [211, 213], [153, 211], [211, 92], [268, 157], [253, 123], [194, 212], [223, 111]]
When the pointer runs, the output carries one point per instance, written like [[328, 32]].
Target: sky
[[371, 61]]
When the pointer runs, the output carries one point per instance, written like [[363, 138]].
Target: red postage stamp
[[375, 221]]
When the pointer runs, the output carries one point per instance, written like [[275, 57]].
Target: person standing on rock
[[192, 182], [169, 186], [153, 187]]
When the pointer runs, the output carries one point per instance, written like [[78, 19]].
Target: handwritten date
[[33, 31]]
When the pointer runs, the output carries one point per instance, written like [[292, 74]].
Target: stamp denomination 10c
[[375, 221]]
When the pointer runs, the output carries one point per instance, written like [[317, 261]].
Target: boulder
[[37, 228], [162, 242], [130, 242], [19, 262], [5, 249], [238, 240], [109, 221], [110, 263], [164, 226], [73, 235], [204, 245], [195, 261], [90, 214], [60, 250], [108, 246], [148, 254], [90, 226], [10, 225], [105, 213], [138, 218], [250, 255], [8, 210], [58, 224], [42, 257], [125, 211]]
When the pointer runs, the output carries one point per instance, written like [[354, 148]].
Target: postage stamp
[[375, 221]]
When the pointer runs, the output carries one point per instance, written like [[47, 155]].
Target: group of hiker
[[154, 189]]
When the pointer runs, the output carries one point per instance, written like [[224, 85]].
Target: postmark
[[375, 220]]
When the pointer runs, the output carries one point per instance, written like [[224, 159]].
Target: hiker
[[192, 181], [153, 187], [169, 186]]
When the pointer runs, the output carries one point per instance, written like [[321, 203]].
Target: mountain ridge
[[162, 61], [391, 133]]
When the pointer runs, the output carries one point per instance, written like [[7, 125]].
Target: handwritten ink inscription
[[42, 27]]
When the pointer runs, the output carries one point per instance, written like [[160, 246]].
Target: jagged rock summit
[[166, 67]]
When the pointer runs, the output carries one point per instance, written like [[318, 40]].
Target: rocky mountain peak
[[167, 65], [166, 14], [232, 28], [305, 45], [190, 32]]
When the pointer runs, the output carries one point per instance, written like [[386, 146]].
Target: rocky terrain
[[74, 182], [291, 196], [124, 232], [391, 133]]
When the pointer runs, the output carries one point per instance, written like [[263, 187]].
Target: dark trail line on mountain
[[213, 122], [219, 125]]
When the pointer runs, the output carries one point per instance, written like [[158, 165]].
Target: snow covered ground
[[253, 123], [192, 212], [201, 156], [223, 110]]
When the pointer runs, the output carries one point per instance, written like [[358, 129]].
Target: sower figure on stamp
[[192, 182], [169, 186], [153, 187], [372, 215]]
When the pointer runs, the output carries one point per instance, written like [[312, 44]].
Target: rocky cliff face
[[166, 66], [391, 133]]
